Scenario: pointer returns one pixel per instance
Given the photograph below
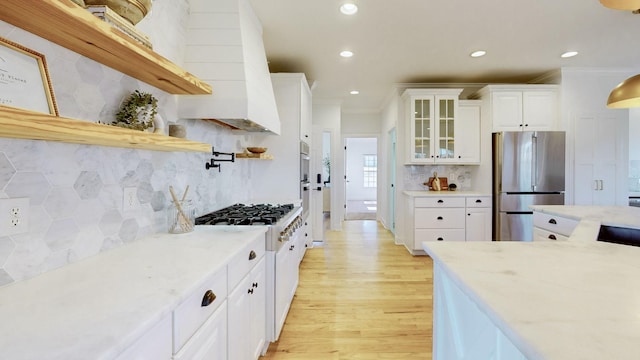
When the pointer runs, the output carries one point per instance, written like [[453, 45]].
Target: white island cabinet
[[162, 297], [573, 299]]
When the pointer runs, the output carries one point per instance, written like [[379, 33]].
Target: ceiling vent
[[225, 49]]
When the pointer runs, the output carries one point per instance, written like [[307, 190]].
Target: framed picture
[[24, 79]]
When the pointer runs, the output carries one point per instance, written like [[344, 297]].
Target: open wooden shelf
[[24, 124], [254, 156], [71, 26]]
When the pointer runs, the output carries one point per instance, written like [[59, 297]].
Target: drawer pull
[[478, 201], [250, 291], [440, 201], [208, 298], [440, 239], [252, 255], [255, 285], [552, 221], [439, 217], [292, 247], [552, 237]]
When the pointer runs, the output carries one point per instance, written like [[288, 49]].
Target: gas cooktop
[[240, 214]]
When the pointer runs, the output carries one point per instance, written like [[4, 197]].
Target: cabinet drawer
[[155, 344], [452, 218], [191, 313], [439, 202], [245, 260], [478, 202], [210, 342], [546, 235], [553, 223], [437, 235]]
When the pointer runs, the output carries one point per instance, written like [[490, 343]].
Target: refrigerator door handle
[[534, 161]]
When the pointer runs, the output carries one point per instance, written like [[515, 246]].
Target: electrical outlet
[[130, 199], [14, 216]]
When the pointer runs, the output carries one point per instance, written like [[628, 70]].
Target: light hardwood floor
[[360, 296]]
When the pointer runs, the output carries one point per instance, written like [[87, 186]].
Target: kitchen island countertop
[[423, 193], [576, 299], [97, 307]]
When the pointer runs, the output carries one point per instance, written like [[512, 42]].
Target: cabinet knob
[[439, 217], [469, 214], [252, 255], [440, 201], [255, 285], [478, 201], [440, 239], [553, 221], [291, 247], [250, 291], [552, 237], [525, 125], [208, 298]]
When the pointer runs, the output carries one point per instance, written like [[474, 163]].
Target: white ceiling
[[429, 41]]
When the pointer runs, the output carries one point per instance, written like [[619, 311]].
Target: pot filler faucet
[[212, 162]]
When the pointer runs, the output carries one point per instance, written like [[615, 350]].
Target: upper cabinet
[[439, 129], [521, 107], [70, 26]]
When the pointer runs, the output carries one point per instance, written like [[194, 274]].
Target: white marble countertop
[[97, 307], [576, 299], [423, 193]]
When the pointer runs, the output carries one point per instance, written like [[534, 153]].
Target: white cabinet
[[210, 342], [247, 315], [154, 345], [434, 133], [478, 218], [599, 159], [447, 217], [286, 273], [552, 227], [461, 328], [438, 219], [467, 132], [528, 107], [247, 302]]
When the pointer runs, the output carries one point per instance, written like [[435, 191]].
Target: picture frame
[[24, 79]]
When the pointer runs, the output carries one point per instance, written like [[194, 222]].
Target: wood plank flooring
[[360, 297]]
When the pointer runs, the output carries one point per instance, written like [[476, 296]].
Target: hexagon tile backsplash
[[76, 191]]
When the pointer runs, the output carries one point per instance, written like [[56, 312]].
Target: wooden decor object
[[71, 26]]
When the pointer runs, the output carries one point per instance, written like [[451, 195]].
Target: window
[[370, 170]]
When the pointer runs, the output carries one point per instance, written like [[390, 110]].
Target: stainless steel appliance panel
[[521, 202], [516, 226], [529, 161]]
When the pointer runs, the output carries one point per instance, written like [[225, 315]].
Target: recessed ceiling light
[[354, 92], [346, 54], [569, 54], [349, 8], [478, 53]]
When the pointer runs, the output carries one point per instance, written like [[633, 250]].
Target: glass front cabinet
[[431, 116]]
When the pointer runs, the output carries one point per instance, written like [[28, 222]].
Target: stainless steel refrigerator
[[528, 169]]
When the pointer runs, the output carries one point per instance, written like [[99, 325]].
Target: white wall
[[634, 150], [356, 149], [327, 116]]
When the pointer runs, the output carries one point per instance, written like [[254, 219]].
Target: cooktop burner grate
[[240, 214]]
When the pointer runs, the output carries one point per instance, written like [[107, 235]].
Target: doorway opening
[[361, 178]]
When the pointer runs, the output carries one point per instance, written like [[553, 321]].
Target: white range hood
[[225, 49]]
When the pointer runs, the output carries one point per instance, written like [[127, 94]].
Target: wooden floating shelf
[[254, 156], [24, 124], [71, 26]]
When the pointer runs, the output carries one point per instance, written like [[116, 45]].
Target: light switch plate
[[14, 216]]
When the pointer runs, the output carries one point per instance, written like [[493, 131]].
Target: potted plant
[[137, 112]]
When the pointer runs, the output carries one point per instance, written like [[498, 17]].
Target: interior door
[[317, 184]]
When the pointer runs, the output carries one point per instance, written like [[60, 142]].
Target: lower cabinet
[[448, 218], [154, 345], [461, 330], [286, 273], [552, 227], [247, 317], [210, 341]]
